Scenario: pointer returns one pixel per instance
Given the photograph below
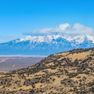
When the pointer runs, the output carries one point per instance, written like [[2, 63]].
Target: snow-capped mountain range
[[46, 44]]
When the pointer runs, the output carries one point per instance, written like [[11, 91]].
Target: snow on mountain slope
[[47, 44], [49, 38]]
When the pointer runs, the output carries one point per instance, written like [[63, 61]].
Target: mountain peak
[[47, 44], [48, 38]]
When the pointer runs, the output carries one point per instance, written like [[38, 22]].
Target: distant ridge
[[46, 45]]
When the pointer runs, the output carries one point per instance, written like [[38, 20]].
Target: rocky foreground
[[63, 73]]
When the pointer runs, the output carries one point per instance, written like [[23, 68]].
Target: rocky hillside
[[63, 73]]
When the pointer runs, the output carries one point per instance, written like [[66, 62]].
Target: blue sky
[[22, 16]]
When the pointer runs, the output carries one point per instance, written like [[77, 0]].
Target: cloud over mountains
[[65, 28]]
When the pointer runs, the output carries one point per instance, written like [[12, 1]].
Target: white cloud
[[66, 28], [82, 29], [46, 30]]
